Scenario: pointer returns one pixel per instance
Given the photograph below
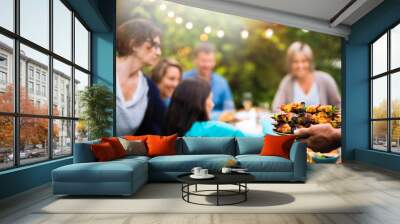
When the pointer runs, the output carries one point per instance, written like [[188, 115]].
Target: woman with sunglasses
[[139, 107]]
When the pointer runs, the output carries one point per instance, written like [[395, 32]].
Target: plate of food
[[297, 115]]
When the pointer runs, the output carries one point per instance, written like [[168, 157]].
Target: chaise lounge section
[[125, 176]]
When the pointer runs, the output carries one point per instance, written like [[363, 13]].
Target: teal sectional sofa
[[125, 176]]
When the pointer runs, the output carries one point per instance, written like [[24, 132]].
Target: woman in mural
[[139, 107], [190, 111], [303, 83], [167, 76]]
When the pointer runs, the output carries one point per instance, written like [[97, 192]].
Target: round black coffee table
[[238, 179]]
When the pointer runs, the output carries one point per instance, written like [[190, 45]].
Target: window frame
[[388, 74], [16, 115]]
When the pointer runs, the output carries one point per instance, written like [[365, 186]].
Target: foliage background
[[255, 64]]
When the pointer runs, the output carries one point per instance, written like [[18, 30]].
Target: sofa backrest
[[83, 152], [190, 146], [249, 145], [206, 145]]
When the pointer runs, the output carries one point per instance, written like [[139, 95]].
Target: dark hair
[[204, 47], [134, 33], [160, 69], [187, 106]]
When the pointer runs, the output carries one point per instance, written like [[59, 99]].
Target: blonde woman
[[303, 83]]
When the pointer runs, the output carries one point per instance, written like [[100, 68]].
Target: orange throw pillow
[[277, 145], [161, 145], [136, 138], [116, 145], [103, 152]]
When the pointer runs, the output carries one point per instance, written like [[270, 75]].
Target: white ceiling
[[316, 15], [321, 9]]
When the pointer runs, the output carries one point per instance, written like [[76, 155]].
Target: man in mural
[[204, 59]]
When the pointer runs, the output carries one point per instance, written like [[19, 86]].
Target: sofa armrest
[[83, 152], [298, 156]]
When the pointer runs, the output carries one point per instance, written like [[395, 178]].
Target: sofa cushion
[[112, 171], [206, 145], [103, 152], [277, 145], [249, 145], [185, 163], [134, 147], [161, 145], [257, 163], [116, 145], [131, 158]]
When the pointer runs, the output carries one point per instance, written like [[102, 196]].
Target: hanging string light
[[269, 33], [178, 20], [207, 29], [220, 33], [163, 7], [171, 14], [189, 25], [204, 37], [244, 34]]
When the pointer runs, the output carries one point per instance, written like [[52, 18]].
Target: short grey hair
[[204, 47], [302, 48]]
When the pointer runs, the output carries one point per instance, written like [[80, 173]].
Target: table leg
[[196, 188], [188, 190], [245, 193], [217, 194]]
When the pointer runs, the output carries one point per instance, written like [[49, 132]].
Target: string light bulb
[[204, 37], [163, 7], [179, 20], [207, 29], [220, 33], [244, 34], [269, 33], [171, 14], [189, 25]]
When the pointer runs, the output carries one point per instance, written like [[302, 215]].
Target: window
[[38, 89], [3, 61], [45, 76], [3, 78], [81, 45], [7, 14], [37, 74], [385, 96], [30, 72], [44, 91], [34, 21], [62, 74], [30, 87], [7, 73], [62, 29], [3, 72]]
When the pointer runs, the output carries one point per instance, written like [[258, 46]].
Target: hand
[[321, 137]]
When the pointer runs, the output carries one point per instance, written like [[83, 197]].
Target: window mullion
[[389, 106], [50, 81], [73, 82], [16, 84]]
